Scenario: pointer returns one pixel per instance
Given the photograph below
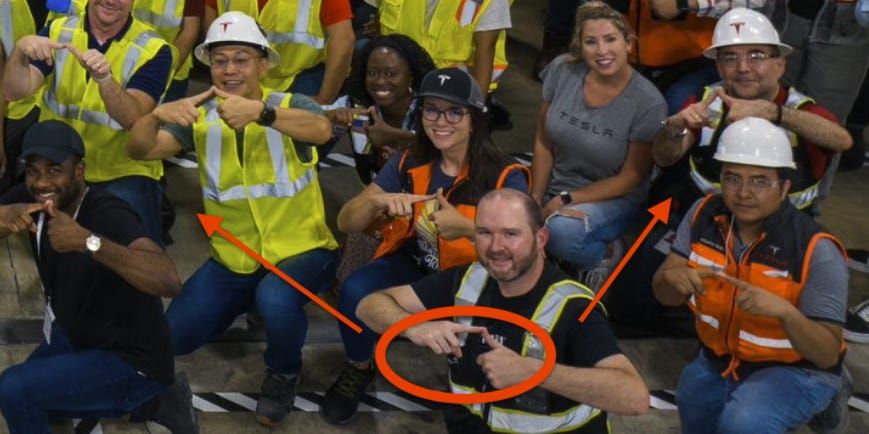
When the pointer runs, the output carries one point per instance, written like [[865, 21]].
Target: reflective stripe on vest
[[167, 18], [282, 187], [300, 33], [6, 30], [546, 315], [72, 111], [800, 199]]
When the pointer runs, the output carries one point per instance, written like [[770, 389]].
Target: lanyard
[[42, 222]]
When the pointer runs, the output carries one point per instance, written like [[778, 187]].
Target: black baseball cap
[[454, 85], [53, 140]]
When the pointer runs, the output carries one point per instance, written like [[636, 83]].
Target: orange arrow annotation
[[212, 223], [661, 212]]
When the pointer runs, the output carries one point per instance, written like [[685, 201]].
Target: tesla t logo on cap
[[737, 26], [443, 78], [226, 25]]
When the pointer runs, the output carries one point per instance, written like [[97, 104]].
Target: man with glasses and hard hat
[[751, 60], [768, 287], [261, 179]]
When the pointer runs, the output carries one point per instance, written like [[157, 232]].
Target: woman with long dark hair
[[423, 201]]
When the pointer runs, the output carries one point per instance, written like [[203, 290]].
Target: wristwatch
[[92, 244], [565, 197], [267, 117]]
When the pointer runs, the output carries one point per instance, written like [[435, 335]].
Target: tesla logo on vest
[[226, 25], [737, 26], [443, 78]]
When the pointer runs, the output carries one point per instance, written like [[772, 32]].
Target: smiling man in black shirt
[[106, 347], [591, 376]]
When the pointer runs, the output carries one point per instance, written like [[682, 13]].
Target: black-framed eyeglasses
[[754, 58], [756, 185], [453, 115]]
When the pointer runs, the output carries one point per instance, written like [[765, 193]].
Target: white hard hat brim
[[712, 52], [752, 160], [201, 52]]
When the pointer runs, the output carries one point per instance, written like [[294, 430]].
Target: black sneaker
[[276, 398], [857, 324], [173, 411], [342, 398], [834, 418], [858, 260]]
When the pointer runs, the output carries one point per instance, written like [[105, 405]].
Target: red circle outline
[[472, 398]]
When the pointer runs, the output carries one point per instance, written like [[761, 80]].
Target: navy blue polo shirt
[[151, 78]]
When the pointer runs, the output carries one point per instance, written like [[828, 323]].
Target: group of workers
[[458, 221]]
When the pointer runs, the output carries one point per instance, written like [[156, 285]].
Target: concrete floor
[[235, 363]]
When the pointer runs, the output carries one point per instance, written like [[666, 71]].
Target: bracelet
[[778, 114]]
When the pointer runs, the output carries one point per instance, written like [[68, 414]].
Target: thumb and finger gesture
[[64, 234], [39, 48], [400, 204], [238, 111], [93, 61], [450, 223], [185, 111], [696, 115], [17, 218], [442, 337]]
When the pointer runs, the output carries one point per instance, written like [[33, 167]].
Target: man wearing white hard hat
[[768, 287], [751, 60], [258, 173]]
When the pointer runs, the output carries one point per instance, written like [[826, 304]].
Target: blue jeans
[[145, 197], [212, 298], [57, 380], [770, 400], [308, 81], [395, 269], [583, 242]]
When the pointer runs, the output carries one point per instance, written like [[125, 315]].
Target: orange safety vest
[[778, 261], [662, 43], [451, 253]]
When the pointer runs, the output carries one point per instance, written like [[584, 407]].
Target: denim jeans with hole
[[583, 242], [212, 298], [770, 400], [57, 380]]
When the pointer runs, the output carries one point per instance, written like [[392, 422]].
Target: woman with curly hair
[[384, 76]]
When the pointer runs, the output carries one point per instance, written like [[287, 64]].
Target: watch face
[[93, 243], [565, 197]]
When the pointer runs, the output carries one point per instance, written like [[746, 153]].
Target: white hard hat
[[755, 142], [235, 27], [741, 26]]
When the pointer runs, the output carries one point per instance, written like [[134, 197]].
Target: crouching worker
[[769, 289], [106, 348], [261, 179], [591, 375]]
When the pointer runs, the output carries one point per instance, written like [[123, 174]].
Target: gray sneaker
[[276, 398], [174, 413], [834, 418], [596, 277]]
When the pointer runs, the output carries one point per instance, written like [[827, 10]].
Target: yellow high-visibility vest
[[449, 38], [72, 97], [166, 17], [268, 197]]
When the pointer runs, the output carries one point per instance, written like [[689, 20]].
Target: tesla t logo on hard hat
[[737, 26], [443, 78], [226, 25]]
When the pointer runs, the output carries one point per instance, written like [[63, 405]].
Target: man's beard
[[521, 265]]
